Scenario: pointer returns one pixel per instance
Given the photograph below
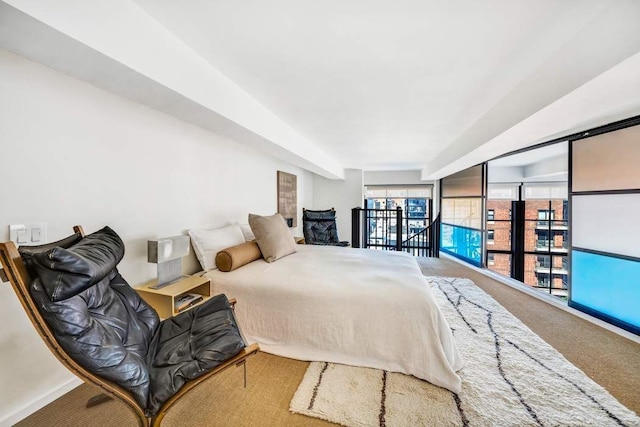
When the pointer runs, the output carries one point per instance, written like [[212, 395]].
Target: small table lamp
[[167, 253]]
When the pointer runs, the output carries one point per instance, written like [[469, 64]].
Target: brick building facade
[[545, 242]]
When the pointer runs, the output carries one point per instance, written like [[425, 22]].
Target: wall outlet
[[34, 233]]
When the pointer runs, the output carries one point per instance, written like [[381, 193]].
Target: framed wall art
[[288, 197]]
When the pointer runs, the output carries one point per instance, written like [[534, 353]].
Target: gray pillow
[[273, 236]]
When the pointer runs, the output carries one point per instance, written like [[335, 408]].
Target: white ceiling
[[377, 84], [543, 164], [537, 155], [367, 84]]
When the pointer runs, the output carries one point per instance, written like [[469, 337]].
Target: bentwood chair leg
[[98, 400], [244, 366]]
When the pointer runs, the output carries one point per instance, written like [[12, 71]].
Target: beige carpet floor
[[610, 360]]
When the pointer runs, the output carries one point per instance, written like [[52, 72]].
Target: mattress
[[357, 307]]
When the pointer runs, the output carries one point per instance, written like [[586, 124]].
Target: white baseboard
[[20, 414], [546, 298]]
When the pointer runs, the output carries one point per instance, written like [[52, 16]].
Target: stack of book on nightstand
[[184, 301]]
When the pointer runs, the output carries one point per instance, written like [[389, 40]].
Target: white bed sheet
[[352, 306]]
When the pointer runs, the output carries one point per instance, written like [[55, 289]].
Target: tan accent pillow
[[236, 256], [273, 236]]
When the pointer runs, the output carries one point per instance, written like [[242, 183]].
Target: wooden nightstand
[[163, 299]]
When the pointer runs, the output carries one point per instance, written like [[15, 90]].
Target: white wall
[[410, 177], [75, 154], [343, 195], [505, 173], [551, 168], [145, 62]]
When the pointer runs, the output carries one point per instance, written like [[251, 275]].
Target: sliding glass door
[[527, 218], [461, 207]]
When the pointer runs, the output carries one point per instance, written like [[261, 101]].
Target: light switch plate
[[34, 233], [14, 229], [22, 237]]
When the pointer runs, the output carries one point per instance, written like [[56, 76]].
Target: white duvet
[[352, 306]]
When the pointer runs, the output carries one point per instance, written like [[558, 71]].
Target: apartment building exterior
[[545, 242]]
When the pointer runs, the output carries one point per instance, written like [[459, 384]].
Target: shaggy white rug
[[511, 377]]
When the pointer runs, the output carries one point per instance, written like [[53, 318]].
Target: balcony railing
[[382, 229], [545, 284], [543, 246], [545, 269], [555, 225]]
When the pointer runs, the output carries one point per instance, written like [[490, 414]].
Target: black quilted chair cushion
[[319, 228], [96, 317], [328, 214], [189, 345], [103, 325], [106, 329], [320, 233], [27, 252], [66, 272]]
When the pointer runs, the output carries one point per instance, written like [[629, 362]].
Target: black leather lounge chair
[[319, 228], [101, 330]]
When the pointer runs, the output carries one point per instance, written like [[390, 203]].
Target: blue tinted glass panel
[[465, 243], [607, 284]]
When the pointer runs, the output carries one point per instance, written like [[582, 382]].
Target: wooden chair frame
[[17, 274]]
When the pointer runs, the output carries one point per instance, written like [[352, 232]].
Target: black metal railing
[[382, 229], [426, 242]]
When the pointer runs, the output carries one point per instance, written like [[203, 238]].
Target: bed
[[352, 306]]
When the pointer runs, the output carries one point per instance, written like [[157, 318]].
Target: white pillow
[[246, 231], [207, 243]]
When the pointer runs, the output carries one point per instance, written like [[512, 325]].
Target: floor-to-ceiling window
[[415, 202], [499, 226], [461, 208], [527, 218], [546, 237], [561, 218], [605, 201]]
